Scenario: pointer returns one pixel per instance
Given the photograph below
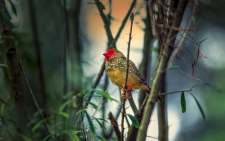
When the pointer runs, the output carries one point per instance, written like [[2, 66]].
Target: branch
[[89, 96], [161, 94], [13, 73], [133, 105], [128, 53], [105, 21], [32, 94], [162, 64], [187, 28], [125, 19], [132, 134], [162, 115], [115, 126]]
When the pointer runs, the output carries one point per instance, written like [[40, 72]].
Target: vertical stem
[[162, 115], [65, 87], [164, 57], [146, 61], [128, 52], [15, 80], [33, 21]]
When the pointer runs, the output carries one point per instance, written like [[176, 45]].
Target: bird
[[116, 68]]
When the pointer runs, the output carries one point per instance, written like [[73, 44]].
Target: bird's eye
[[111, 52]]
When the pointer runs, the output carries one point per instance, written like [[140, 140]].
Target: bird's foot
[[128, 89], [124, 96]]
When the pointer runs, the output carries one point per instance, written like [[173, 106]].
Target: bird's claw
[[128, 89], [124, 96]]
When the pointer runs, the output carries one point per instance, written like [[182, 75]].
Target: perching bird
[[116, 67]]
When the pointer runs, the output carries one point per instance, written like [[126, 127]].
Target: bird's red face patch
[[110, 54]]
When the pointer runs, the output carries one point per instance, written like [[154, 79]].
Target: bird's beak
[[106, 56]]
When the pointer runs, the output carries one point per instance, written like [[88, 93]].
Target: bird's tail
[[146, 87]]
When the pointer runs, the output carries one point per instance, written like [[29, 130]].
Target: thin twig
[[174, 28], [175, 92], [31, 92], [188, 26], [2, 107], [105, 20], [125, 19], [128, 53]]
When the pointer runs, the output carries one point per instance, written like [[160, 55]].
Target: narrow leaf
[[103, 120], [10, 120], [2, 125], [61, 108], [63, 114], [25, 138], [67, 95], [92, 104], [37, 125], [13, 7], [3, 65], [46, 138], [90, 123], [183, 102], [4, 102], [133, 120], [106, 95], [208, 84], [100, 138], [100, 124], [72, 134], [172, 68], [199, 107]]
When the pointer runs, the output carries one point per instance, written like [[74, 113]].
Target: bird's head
[[112, 53]]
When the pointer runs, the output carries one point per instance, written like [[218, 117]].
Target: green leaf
[[3, 65], [2, 125], [4, 102], [7, 18], [90, 123], [37, 125], [133, 120], [199, 107], [100, 124], [9, 120], [172, 68], [106, 95], [61, 108], [13, 7], [100, 138], [183, 102], [37, 113], [103, 120], [63, 114], [67, 95], [92, 104], [208, 84], [46, 138], [72, 134], [102, 5], [25, 138]]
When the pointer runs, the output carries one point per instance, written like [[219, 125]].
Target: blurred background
[[76, 69]]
